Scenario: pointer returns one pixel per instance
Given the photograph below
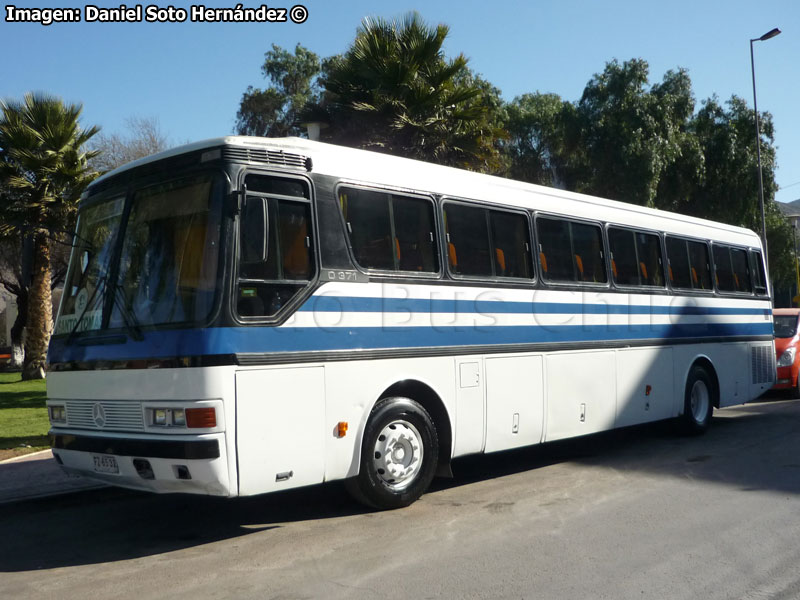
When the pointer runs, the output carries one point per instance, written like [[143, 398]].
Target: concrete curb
[[23, 457], [38, 475]]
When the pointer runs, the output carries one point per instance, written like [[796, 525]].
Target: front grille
[[762, 366], [118, 415], [266, 157]]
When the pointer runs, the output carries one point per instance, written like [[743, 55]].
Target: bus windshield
[[167, 264]]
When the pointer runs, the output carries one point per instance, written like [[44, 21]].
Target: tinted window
[[624, 265], [370, 227], [168, 265], [414, 233], [757, 269], [555, 250], [467, 240], [722, 269], [648, 249], [699, 266], [390, 232], [512, 248], [570, 251], [276, 186], [636, 257], [587, 248], [678, 262], [741, 271], [267, 286]]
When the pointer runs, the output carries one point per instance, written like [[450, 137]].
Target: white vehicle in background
[[247, 315]]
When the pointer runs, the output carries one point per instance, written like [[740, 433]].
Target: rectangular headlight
[[178, 417], [160, 416], [167, 417], [58, 413]]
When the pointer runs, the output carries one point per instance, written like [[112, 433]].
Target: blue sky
[[191, 76]]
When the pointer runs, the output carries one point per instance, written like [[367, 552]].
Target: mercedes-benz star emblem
[[99, 414]]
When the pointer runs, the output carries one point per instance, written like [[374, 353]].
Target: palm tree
[[43, 165], [394, 91]]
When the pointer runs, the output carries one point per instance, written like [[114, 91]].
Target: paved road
[[631, 514]]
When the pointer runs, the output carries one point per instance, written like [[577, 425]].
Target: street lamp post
[[770, 34]]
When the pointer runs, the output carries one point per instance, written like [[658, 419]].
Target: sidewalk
[[37, 476]]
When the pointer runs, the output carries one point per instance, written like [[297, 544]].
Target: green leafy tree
[[644, 144], [618, 141], [630, 134], [274, 111], [727, 186], [44, 167], [537, 137], [394, 91]]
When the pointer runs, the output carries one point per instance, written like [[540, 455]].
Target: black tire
[[796, 389], [698, 405], [399, 454]]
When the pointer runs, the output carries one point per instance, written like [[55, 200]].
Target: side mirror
[[253, 230]]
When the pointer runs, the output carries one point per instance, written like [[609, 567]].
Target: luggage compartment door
[[280, 422], [514, 402]]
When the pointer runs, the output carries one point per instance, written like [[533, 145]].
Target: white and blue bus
[[247, 315]]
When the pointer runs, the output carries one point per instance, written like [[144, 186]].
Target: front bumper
[[168, 461]]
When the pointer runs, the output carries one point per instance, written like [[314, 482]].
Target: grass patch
[[23, 416]]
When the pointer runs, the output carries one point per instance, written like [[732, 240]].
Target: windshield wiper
[[132, 324]]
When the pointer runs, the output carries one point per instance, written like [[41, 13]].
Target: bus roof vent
[[266, 157]]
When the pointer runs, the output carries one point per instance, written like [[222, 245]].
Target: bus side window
[[369, 227], [390, 232], [680, 274], [414, 234], [555, 249], [700, 265], [269, 278], [757, 269], [512, 245], [648, 248], [741, 271], [723, 269], [468, 240], [622, 245], [587, 245], [636, 257]]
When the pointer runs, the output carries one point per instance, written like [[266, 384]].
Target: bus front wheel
[[399, 454], [699, 401]]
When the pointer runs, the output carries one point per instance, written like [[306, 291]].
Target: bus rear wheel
[[699, 401], [399, 454]]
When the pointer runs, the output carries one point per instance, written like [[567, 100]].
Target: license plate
[[105, 464]]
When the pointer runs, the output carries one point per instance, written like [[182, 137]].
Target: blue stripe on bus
[[347, 304], [233, 340]]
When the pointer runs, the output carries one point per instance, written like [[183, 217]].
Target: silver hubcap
[[397, 454], [700, 400]]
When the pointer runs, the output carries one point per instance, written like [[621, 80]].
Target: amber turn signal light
[[201, 418]]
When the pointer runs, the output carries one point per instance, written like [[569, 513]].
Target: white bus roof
[[374, 168]]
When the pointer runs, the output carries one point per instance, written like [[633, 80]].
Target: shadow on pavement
[[757, 447], [111, 524]]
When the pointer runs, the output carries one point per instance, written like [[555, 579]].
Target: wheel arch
[[431, 401], [705, 362]]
